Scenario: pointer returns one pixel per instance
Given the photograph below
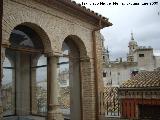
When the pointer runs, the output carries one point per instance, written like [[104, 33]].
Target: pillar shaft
[[53, 82], [54, 107]]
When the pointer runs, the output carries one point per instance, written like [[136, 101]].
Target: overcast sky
[[143, 21]]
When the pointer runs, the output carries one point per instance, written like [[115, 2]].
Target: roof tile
[[143, 79]]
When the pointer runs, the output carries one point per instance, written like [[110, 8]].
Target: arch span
[[78, 43], [79, 75], [40, 32]]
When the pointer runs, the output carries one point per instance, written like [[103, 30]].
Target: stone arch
[[41, 33], [38, 21], [45, 39], [81, 63], [79, 44]]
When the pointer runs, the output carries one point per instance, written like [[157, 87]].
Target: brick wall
[[54, 26]]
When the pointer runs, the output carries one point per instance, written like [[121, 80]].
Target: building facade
[[35, 34], [139, 58]]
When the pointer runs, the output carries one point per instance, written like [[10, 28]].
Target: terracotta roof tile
[[87, 9], [111, 99], [143, 79]]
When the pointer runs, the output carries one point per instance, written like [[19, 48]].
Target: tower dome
[[132, 47], [132, 42]]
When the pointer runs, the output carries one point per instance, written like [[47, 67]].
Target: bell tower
[[132, 47]]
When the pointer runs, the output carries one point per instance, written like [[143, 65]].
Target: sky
[[142, 20]]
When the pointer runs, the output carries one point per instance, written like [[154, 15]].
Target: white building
[[139, 58]]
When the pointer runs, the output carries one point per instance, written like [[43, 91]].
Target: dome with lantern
[[132, 42]]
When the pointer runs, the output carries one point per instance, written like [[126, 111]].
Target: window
[[25, 74], [8, 87], [103, 57], [39, 87], [141, 55], [64, 80], [104, 74]]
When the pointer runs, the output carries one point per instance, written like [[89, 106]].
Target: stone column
[[23, 81], [2, 60], [54, 107]]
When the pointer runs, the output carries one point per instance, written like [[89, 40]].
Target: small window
[[104, 74], [141, 55], [132, 59], [103, 57]]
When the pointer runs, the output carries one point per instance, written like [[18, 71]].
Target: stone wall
[[147, 61]]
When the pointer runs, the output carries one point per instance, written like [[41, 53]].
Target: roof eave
[[139, 88]]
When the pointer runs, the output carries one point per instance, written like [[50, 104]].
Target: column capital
[[5, 44], [53, 54], [54, 106]]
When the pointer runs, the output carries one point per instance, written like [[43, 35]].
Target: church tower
[[132, 47], [105, 51], [106, 59]]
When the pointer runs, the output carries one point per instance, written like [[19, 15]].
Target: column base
[[54, 113], [55, 116]]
